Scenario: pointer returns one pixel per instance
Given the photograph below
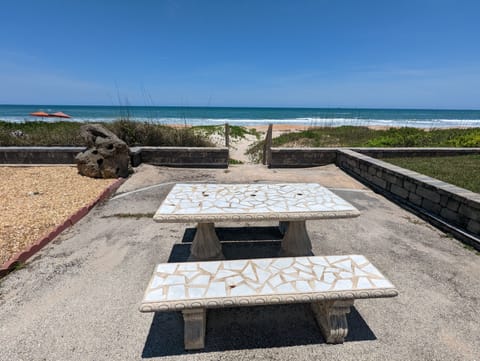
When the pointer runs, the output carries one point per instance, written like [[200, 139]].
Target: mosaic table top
[[237, 202], [176, 286]]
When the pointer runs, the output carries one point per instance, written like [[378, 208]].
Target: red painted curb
[[104, 194], [10, 263], [91, 205], [74, 218], [24, 255]]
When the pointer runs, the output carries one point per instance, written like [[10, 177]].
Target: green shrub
[[151, 134], [68, 134], [40, 134], [467, 140], [353, 136]]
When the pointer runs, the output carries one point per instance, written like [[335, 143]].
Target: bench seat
[[329, 283]]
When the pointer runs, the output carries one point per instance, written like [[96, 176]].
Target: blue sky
[[325, 53]]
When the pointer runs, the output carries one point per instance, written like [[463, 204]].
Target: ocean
[[420, 118]]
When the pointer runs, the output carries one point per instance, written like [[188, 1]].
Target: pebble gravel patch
[[34, 200]]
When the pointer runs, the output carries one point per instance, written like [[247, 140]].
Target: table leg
[[296, 241], [331, 317], [194, 324], [206, 244]]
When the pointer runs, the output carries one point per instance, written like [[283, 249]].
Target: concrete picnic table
[[291, 204]]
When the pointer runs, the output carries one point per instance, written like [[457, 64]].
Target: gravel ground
[[34, 200]]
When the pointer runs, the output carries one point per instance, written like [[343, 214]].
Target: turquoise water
[[422, 118]]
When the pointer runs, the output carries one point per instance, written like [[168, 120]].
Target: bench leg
[[206, 245], [194, 321], [283, 226], [331, 317], [296, 241]]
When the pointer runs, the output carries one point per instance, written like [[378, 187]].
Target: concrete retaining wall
[[444, 204], [201, 157], [311, 157], [301, 157], [415, 152], [39, 155]]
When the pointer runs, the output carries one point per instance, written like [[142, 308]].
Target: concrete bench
[[330, 284]]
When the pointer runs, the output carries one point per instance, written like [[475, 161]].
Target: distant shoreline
[[255, 116]]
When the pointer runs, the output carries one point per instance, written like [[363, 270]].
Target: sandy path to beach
[[239, 147]]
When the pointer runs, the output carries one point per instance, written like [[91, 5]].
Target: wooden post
[[227, 135], [267, 153]]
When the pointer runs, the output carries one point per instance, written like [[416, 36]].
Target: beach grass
[[65, 133], [152, 134], [360, 136], [235, 132], [414, 137], [462, 171], [352, 136], [233, 161], [40, 133]]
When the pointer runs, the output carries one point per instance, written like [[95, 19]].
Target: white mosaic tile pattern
[[191, 202], [263, 281]]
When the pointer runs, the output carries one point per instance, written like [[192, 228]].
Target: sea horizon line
[[243, 107]]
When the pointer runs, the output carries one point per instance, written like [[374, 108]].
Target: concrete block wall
[[301, 157], [39, 155], [444, 202], [311, 157], [201, 157], [415, 152]]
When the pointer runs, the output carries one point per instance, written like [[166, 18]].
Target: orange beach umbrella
[[59, 115], [39, 114]]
